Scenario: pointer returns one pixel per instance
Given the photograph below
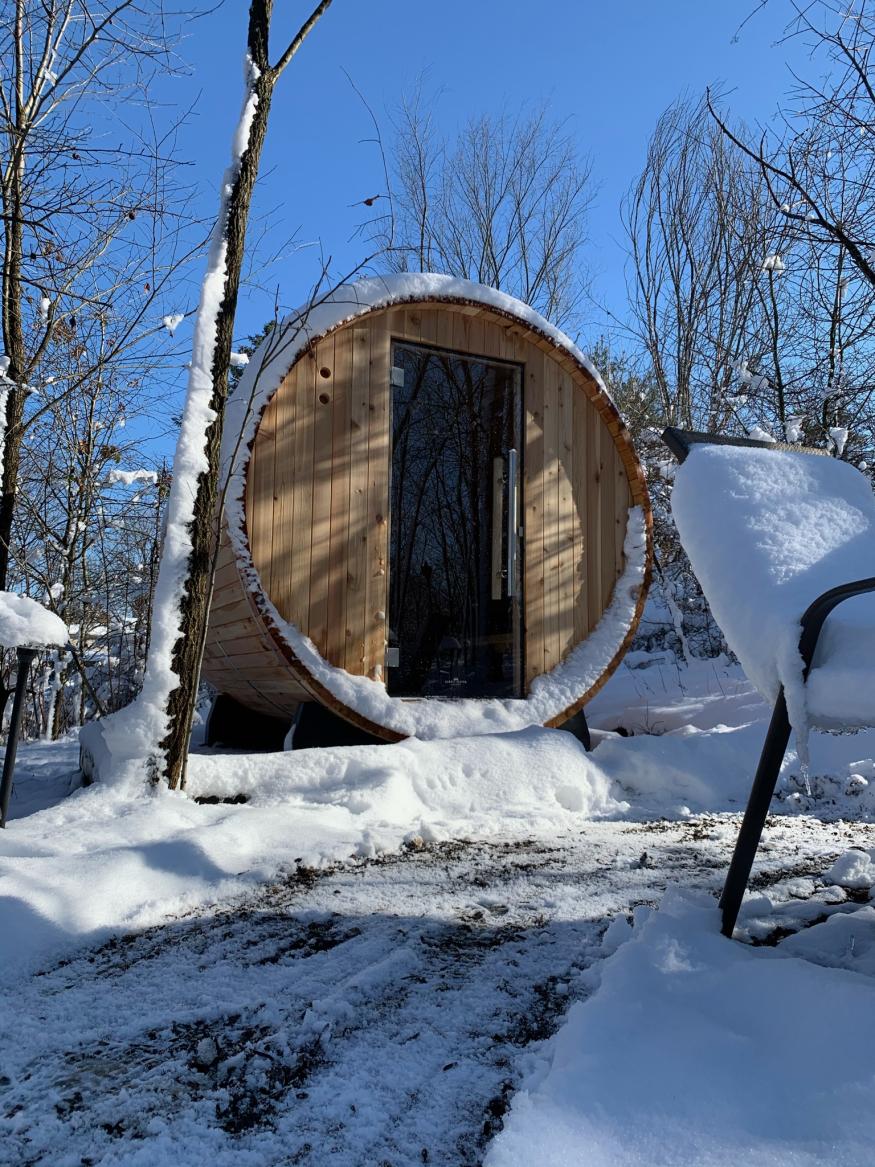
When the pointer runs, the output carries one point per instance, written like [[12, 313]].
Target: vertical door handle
[[513, 521], [497, 516]]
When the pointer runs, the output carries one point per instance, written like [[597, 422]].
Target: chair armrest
[[817, 612]]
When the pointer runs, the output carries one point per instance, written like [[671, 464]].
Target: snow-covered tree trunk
[[184, 583]]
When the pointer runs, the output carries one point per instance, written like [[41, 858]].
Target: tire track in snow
[[380, 1013]]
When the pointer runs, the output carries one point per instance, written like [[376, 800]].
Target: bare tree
[[504, 204], [819, 166], [744, 322], [85, 222], [85, 534], [818, 171], [698, 233]]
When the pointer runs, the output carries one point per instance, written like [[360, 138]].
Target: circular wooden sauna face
[[437, 498]]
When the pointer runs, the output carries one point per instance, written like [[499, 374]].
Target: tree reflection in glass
[[452, 418]]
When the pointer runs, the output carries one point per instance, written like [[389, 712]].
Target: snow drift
[[699, 1052]]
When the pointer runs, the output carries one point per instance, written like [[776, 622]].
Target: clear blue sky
[[610, 68]]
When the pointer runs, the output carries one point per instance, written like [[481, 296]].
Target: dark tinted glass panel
[[453, 616]]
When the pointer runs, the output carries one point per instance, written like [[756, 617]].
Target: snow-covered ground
[[371, 960]]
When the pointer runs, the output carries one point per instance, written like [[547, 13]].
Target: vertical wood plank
[[533, 510], [284, 476], [428, 326], [475, 334], [341, 412], [412, 329], [608, 516], [357, 542], [460, 340], [467, 334], [567, 516], [519, 346], [394, 321], [379, 454], [444, 330], [322, 472], [595, 604], [299, 564], [552, 556], [492, 341], [581, 421], [260, 521]]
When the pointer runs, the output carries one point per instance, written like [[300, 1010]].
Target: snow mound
[[845, 940], [528, 781], [768, 531], [699, 1052], [27, 624], [108, 857], [854, 869]]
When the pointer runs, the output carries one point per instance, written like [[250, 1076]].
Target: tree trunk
[[194, 604]]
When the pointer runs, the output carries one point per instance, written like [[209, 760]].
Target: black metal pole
[[25, 659], [754, 820]]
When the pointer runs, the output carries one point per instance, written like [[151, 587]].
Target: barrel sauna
[[435, 521]]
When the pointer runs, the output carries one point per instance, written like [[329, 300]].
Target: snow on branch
[[129, 477], [774, 264], [171, 323]]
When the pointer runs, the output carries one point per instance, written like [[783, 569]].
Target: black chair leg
[[579, 727], [764, 783]]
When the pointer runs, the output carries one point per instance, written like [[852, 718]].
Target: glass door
[[454, 570]]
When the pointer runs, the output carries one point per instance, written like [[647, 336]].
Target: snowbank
[[106, 858], [26, 624], [699, 1052], [767, 531], [529, 781]]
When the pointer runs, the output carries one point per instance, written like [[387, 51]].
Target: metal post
[[25, 659], [754, 819]]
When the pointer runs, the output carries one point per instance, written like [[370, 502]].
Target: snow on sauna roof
[[25, 623], [278, 352], [767, 532]]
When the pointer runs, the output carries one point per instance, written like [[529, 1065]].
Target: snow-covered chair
[[27, 627], [778, 537]]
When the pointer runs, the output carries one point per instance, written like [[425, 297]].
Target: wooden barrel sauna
[[435, 522]]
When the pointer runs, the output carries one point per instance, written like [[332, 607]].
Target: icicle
[[805, 772]]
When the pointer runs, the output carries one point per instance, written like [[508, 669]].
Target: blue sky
[[609, 68]]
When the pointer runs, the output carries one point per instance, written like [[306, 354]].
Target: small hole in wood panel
[[324, 398], [325, 371]]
